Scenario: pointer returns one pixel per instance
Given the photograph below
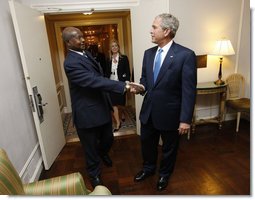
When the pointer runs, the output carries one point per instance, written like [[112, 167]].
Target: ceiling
[[59, 6]]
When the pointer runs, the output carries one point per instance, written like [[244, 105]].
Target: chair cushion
[[100, 190], [10, 182], [241, 105], [71, 184]]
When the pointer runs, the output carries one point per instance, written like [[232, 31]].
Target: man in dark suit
[[91, 105], [169, 99]]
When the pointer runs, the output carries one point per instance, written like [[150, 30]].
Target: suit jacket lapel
[[90, 59], [151, 64]]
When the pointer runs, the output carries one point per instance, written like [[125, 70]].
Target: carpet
[[127, 127]]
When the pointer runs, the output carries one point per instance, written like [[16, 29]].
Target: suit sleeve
[[189, 83], [143, 79], [83, 76]]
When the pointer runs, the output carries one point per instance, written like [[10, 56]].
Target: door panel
[[34, 51]]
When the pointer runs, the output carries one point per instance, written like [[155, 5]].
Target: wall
[[204, 27], [17, 135], [201, 24], [252, 73], [218, 20], [244, 60]]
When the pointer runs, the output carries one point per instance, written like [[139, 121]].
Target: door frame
[[60, 45], [54, 24]]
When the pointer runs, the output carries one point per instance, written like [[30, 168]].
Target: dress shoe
[[96, 181], [118, 128], [162, 183], [140, 176], [106, 160]]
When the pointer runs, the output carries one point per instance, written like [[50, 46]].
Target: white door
[[34, 51]]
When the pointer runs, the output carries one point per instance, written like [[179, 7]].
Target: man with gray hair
[[169, 78]]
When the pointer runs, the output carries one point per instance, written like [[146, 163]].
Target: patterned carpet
[[127, 127]]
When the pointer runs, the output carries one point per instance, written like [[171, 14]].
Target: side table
[[207, 88]]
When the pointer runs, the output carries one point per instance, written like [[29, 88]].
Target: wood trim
[[55, 23]]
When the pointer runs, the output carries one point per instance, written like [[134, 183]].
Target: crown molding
[[99, 5]]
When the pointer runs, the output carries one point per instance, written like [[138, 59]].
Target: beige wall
[[202, 22], [243, 65]]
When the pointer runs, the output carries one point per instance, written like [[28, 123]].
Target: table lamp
[[223, 47]]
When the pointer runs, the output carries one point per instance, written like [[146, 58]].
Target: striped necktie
[[157, 64]]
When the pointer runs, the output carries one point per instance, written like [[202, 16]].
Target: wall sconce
[[223, 47], [89, 12]]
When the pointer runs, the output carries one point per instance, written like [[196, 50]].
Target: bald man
[[91, 105]]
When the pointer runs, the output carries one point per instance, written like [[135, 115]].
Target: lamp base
[[219, 82]]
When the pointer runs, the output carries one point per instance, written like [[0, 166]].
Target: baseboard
[[38, 171], [33, 166], [22, 172]]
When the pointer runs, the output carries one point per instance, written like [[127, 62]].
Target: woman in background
[[117, 69]]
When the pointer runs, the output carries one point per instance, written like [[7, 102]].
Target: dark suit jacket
[[123, 69], [171, 99], [91, 105]]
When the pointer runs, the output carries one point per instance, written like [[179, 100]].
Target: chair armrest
[[100, 190], [71, 184]]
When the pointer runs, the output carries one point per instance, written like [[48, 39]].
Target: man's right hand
[[136, 88]]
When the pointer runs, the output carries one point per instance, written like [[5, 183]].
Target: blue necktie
[[157, 64]]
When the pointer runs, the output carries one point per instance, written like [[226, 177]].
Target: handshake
[[135, 88]]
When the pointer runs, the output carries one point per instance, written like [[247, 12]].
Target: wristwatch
[[127, 86]]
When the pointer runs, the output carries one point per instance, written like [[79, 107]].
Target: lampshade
[[223, 47]]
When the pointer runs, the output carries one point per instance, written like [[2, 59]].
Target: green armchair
[[71, 184]]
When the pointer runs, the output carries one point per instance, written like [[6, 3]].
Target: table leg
[[221, 108]]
